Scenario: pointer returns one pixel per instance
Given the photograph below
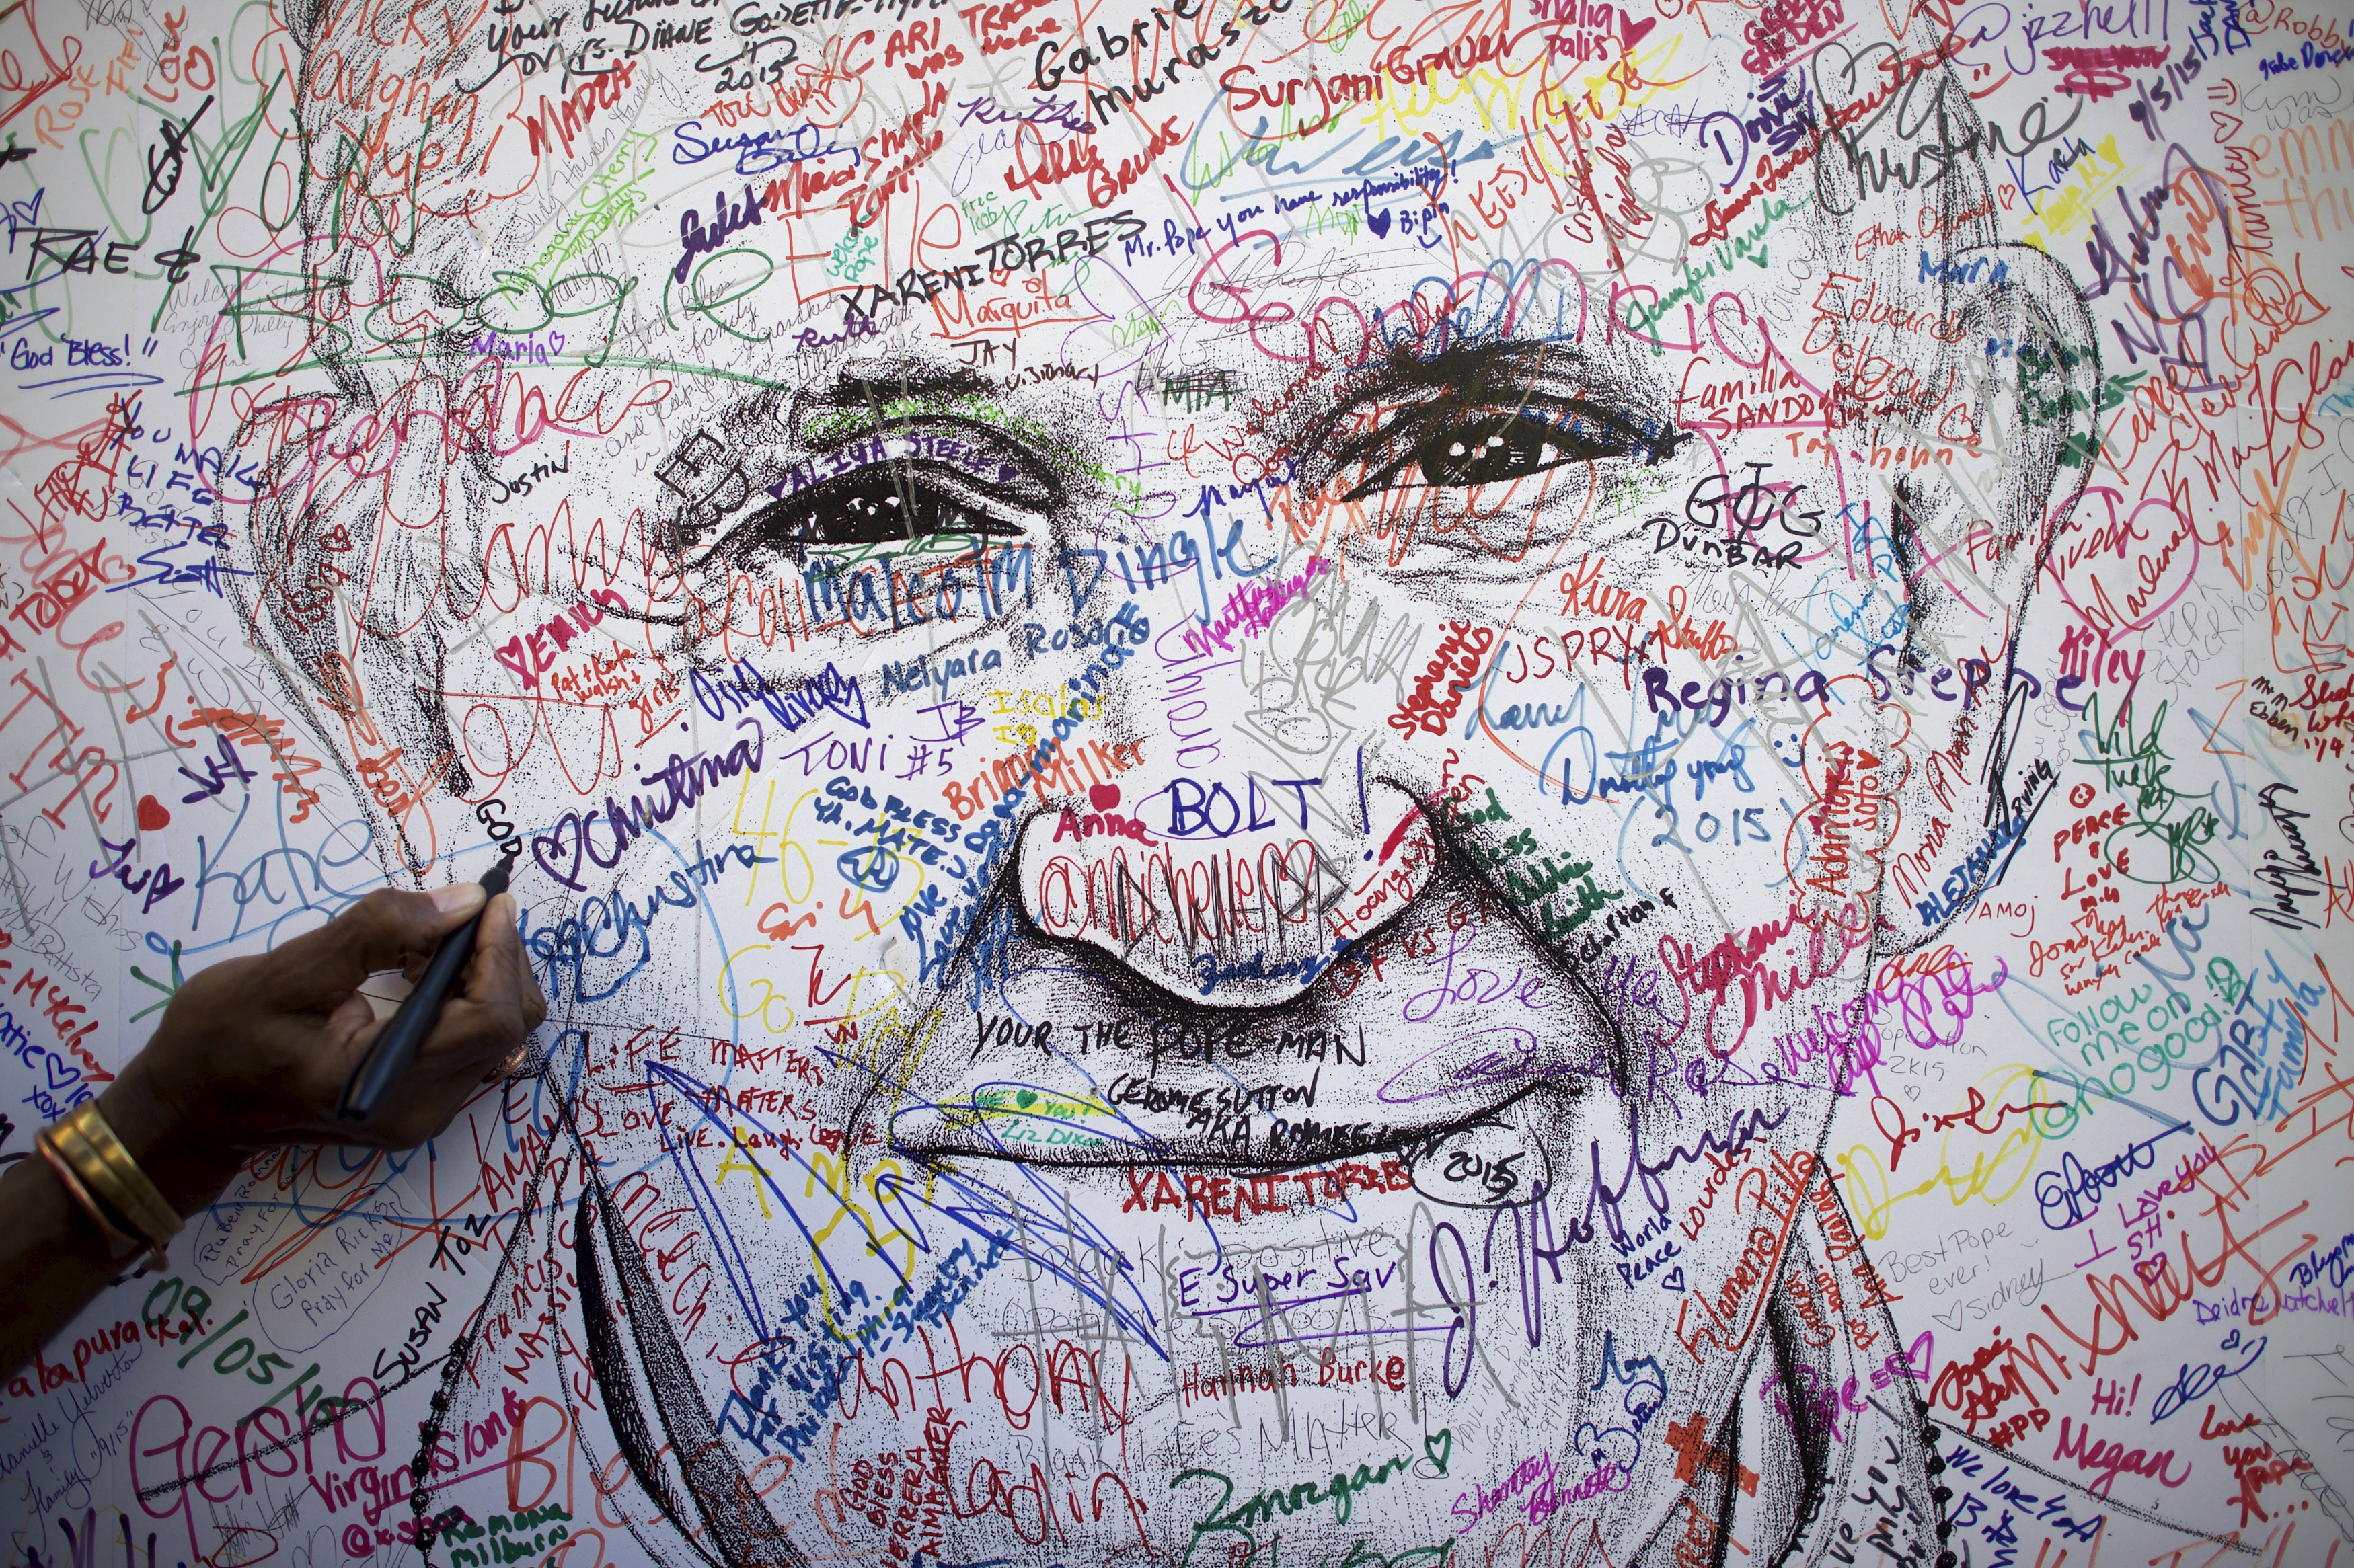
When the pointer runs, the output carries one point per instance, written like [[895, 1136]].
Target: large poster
[[1301, 783]]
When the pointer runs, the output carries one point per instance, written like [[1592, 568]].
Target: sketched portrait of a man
[[1212, 713]]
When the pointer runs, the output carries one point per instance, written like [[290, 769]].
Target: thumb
[[386, 929]]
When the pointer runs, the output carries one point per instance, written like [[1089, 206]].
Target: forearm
[[54, 1258]]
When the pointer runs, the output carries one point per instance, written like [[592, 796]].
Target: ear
[[340, 598], [1976, 753]]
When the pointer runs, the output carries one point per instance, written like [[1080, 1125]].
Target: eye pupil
[[1520, 447]]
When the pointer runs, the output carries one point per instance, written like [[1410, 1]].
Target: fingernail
[[459, 898]]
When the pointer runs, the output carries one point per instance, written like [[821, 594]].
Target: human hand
[[255, 1052]]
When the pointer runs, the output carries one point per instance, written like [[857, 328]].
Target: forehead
[[772, 178]]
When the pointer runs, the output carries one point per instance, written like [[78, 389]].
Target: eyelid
[[924, 439], [1008, 488]]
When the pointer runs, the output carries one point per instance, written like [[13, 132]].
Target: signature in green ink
[[2139, 764], [1341, 1491]]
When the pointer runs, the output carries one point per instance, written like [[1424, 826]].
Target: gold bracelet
[[111, 1178], [119, 1244]]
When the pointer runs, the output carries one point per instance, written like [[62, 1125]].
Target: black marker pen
[[396, 1045]]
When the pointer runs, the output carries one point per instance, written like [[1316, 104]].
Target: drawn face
[[1225, 724]]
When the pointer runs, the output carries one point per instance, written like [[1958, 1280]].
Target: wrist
[[186, 1159]]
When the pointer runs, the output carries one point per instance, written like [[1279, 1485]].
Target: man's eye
[[878, 505], [1444, 447], [1509, 449]]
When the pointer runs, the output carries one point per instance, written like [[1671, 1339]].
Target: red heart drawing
[[1103, 797], [151, 814]]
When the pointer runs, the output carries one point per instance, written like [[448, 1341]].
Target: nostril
[[1242, 918], [1399, 855]]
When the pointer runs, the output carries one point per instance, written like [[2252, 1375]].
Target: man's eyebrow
[[864, 400], [858, 388], [1496, 372]]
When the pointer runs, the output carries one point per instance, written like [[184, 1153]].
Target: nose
[[1233, 891]]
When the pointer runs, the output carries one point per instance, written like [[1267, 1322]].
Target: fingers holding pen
[[534, 1001], [477, 1037], [386, 929], [507, 950], [503, 941], [498, 1004], [260, 1050], [501, 977]]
